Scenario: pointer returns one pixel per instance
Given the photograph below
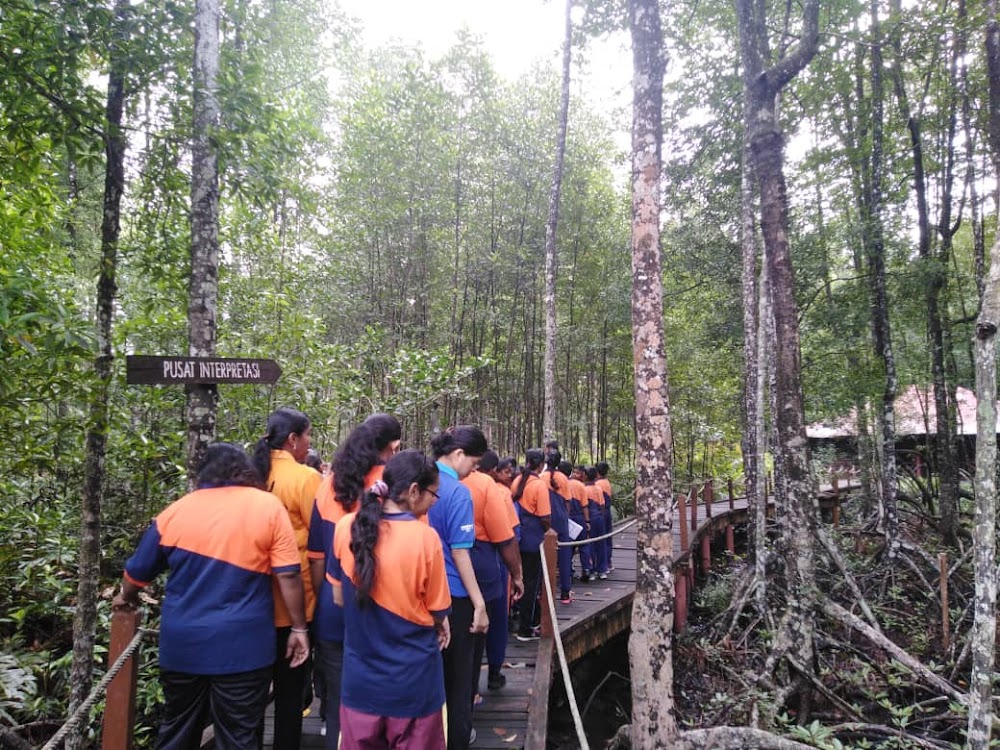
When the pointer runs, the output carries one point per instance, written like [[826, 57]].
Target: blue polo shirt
[[452, 518]]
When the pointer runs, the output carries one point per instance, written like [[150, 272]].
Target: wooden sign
[[141, 370]]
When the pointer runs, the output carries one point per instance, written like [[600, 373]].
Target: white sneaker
[[322, 730], [472, 736]]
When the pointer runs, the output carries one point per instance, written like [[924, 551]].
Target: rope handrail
[[563, 664], [99, 688], [588, 540]]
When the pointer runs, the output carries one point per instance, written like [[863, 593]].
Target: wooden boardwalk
[[516, 716]]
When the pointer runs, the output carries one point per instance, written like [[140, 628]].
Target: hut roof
[[915, 415]]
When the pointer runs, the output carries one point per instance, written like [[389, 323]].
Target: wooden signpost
[[143, 370]]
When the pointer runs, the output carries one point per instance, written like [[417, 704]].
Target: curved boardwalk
[[517, 716]]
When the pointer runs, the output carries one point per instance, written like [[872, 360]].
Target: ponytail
[[280, 425], [358, 454], [552, 459], [403, 470], [364, 537], [533, 460]]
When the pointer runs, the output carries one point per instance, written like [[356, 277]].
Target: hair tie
[[380, 490]]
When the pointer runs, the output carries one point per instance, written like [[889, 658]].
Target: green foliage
[[17, 687]]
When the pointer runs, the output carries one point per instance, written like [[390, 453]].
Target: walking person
[[495, 559], [387, 571], [223, 544], [279, 457], [457, 451], [531, 495], [357, 466], [559, 495], [605, 484], [598, 548]]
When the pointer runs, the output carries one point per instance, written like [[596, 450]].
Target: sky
[[515, 33]]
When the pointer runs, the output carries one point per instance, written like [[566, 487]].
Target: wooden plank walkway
[[600, 610]]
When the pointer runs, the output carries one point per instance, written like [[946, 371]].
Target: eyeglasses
[[436, 495]]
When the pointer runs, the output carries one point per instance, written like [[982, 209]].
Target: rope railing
[[602, 537], [563, 663], [98, 690]]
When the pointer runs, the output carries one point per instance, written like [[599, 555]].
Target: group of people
[[380, 583]]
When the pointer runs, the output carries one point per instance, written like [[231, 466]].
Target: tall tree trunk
[[202, 400], [650, 645], [946, 465], [762, 84], [881, 331], [753, 412], [89, 563], [984, 531], [551, 225]]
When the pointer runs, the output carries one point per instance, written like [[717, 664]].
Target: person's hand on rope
[[298, 647]]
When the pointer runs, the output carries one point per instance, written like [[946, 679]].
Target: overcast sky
[[515, 33]]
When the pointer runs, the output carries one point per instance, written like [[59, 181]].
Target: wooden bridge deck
[[516, 716]]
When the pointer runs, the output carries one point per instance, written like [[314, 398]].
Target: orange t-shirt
[[295, 485], [535, 499], [489, 509]]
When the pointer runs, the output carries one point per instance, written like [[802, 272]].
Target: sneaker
[[472, 736], [566, 600], [532, 636], [495, 680], [322, 730], [586, 578], [602, 576]]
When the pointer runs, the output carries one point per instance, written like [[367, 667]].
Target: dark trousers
[[528, 612], [609, 543], [289, 691], [564, 560], [331, 660], [234, 703], [496, 636], [458, 658]]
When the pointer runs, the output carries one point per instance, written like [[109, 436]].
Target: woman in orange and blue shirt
[[279, 457], [387, 570], [531, 496], [357, 465]]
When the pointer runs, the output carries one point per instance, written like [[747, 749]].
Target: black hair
[[467, 437], [359, 453], [602, 468], [509, 462], [581, 468], [314, 460], [551, 445], [227, 465], [552, 459], [591, 474], [566, 467], [281, 424], [403, 469], [489, 461], [533, 460]]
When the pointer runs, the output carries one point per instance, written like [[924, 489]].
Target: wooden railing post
[[682, 513], [119, 709], [708, 492], [680, 597], [732, 499], [694, 508], [549, 561]]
